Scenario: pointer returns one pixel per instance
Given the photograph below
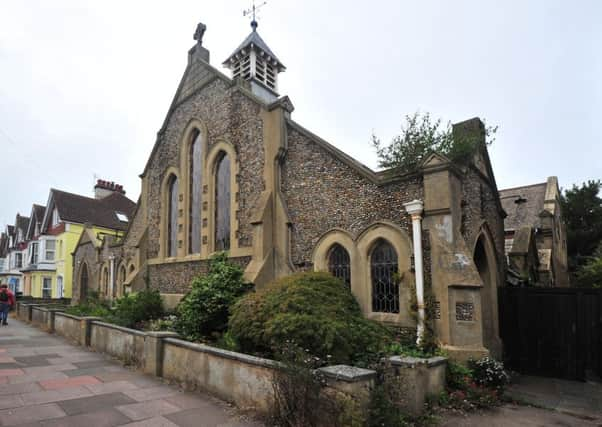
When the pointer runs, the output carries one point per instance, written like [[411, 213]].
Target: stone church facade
[[231, 170]]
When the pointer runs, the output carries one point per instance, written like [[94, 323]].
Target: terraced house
[[39, 270], [231, 170], [65, 218], [16, 253]]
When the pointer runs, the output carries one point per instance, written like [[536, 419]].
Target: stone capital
[[414, 208]]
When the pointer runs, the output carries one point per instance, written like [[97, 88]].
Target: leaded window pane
[[339, 263], [196, 178], [383, 269], [172, 224], [222, 204]]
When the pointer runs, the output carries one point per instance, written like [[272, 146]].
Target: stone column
[[153, 351], [415, 208]]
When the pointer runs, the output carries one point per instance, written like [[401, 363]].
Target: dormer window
[[121, 217]]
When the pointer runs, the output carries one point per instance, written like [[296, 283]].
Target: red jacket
[[11, 297]]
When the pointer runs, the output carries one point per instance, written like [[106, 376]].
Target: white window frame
[[47, 250], [34, 254], [47, 288], [19, 256]]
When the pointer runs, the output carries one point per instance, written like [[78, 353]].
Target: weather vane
[[253, 11]]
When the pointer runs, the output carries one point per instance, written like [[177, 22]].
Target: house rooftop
[[523, 205], [100, 212]]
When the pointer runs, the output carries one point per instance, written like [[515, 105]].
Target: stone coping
[[241, 357], [73, 316], [348, 373], [117, 327], [48, 308], [411, 362]]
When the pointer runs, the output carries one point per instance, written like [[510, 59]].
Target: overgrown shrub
[[476, 386], [91, 306], [316, 311], [165, 323], [133, 309], [203, 312], [489, 373]]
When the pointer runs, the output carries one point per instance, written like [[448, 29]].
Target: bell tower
[[255, 62]]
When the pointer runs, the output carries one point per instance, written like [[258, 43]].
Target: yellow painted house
[[65, 218]]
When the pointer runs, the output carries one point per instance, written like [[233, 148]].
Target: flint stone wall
[[323, 193], [229, 116]]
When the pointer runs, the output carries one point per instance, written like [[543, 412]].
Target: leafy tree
[[421, 135], [582, 210], [590, 275]]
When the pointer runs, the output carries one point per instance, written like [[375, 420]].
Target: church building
[[231, 170]]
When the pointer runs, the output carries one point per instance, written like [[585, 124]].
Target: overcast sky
[[85, 85]]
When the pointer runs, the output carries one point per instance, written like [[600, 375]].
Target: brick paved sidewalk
[[45, 381]]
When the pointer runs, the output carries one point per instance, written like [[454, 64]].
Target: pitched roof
[[254, 39], [21, 223], [39, 211], [99, 212], [523, 205]]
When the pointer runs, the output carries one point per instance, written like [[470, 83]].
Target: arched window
[[83, 282], [120, 280], [383, 272], [222, 203], [195, 178], [172, 217], [339, 263], [105, 281]]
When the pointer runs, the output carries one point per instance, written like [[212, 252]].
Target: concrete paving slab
[[69, 403], [94, 403], [28, 414], [51, 396], [102, 418], [111, 387], [10, 401], [55, 384], [148, 409], [152, 422], [198, 418], [152, 393]]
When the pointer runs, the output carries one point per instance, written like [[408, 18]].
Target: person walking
[[7, 300]]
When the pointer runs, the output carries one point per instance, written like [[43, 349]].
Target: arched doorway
[[486, 263]]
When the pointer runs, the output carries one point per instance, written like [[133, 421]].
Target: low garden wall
[[122, 343], [239, 378], [235, 377], [69, 326]]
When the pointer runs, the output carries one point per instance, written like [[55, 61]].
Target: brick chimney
[[104, 188]]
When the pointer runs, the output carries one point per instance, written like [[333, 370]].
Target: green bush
[[490, 373], [314, 310], [203, 312], [91, 306], [131, 310]]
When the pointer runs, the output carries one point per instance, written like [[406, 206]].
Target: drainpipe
[[415, 208], [111, 275]]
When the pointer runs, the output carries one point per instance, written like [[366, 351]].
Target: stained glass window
[[172, 220], [383, 269], [83, 281], [195, 184], [339, 264], [222, 203]]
